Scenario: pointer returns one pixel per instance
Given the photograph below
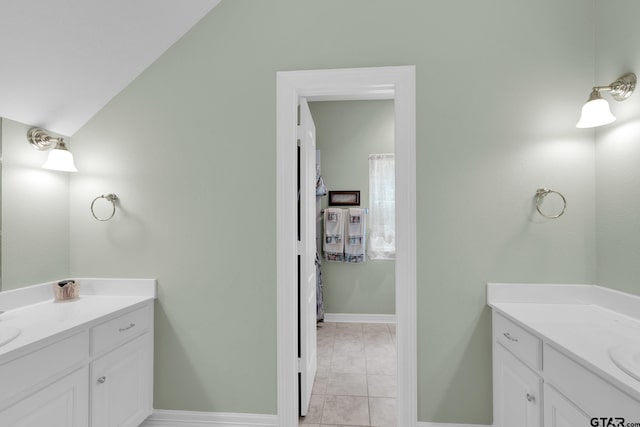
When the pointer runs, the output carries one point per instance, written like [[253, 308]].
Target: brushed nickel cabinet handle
[[127, 328], [509, 337], [102, 380], [531, 398]]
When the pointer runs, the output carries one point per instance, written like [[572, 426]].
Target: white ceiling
[[61, 61]]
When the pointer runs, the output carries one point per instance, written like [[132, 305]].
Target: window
[[382, 207]]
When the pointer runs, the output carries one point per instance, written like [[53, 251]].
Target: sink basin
[[8, 334], [627, 358]]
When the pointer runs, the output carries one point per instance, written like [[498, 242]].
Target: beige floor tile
[[381, 366], [327, 325], [347, 384], [326, 333], [356, 381], [353, 363], [349, 410], [382, 385], [320, 382], [380, 351], [324, 362], [375, 327], [342, 346], [348, 335], [314, 415], [325, 350], [348, 326], [325, 339], [382, 339], [383, 412]]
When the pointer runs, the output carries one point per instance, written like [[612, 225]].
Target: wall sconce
[[60, 158], [596, 111]]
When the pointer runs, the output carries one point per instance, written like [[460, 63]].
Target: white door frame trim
[[397, 83]]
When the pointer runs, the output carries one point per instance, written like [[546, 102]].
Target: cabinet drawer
[[521, 343], [42, 365], [588, 391], [120, 329]]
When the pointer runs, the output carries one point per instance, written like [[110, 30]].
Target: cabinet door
[[122, 385], [63, 403], [560, 412], [517, 392]]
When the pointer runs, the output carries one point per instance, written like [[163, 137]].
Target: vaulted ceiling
[[61, 61]]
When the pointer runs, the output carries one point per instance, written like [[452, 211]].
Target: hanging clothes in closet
[[319, 291], [321, 190]]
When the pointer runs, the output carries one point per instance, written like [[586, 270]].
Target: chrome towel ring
[[541, 193], [109, 197]]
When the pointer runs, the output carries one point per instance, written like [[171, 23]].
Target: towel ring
[[111, 198], [541, 193]]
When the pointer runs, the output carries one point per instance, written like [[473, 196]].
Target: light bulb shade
[[60, 160], [595, 112]]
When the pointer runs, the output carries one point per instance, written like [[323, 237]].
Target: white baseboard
[[164, 418], [359, 318], [423, 424]]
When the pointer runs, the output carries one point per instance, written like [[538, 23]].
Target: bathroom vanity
[[85, 362], [564, 355]]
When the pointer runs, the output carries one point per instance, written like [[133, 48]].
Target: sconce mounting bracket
[[622, 88], [41, 140]]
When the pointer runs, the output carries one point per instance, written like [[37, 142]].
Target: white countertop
[[34, 311], [581, 321]]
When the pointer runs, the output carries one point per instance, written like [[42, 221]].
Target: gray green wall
[[189, 147], [346, 133], [618, 151], [35, 213]]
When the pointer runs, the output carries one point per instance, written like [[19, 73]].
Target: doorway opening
[[356, 376], [394, 83]]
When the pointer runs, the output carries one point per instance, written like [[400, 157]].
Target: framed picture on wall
[[344, 198]]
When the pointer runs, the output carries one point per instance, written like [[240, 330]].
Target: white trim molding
[[359, 318], [398, 84], [164, 418]]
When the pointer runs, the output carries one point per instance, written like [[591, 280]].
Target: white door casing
[[397, 83], [307, 294]]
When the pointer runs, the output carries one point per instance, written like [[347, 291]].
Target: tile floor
[[356, 380]]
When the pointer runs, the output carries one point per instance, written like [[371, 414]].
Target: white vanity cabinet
[[517, 385], [63, 403], [586, 391], [98, 374], [535, 384], [518, 391], [560, 412], [49, 383], [121, 379]]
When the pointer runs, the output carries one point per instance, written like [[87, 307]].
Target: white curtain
[[382, 207]]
